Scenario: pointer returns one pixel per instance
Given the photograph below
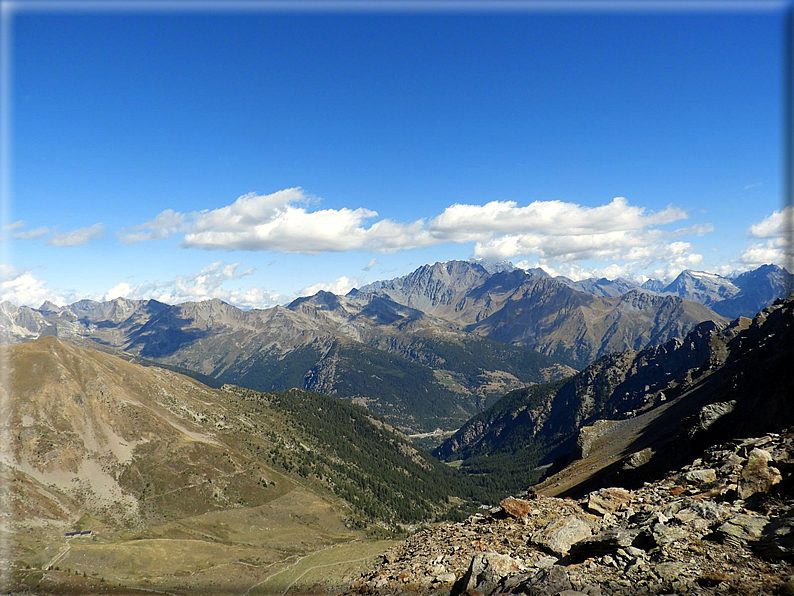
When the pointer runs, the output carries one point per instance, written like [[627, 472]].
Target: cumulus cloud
[[339, 286], [551, 232], [666, 262], [162, 227], [774, 226], [22, 288], [281, 222], [774, 250], [121, 290], [558, 232], [501, 229], [776, 232], [547, 218], [206, 284], [78, 236]]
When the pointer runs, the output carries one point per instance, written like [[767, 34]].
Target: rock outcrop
[[689, 533]]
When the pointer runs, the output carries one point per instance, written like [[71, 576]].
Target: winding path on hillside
[[306, 571]]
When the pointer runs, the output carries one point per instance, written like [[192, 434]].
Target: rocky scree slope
[[724, 524]]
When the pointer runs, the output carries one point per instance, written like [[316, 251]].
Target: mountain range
[[427, 350]]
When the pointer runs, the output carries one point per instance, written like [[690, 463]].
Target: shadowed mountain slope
[[741, 364]]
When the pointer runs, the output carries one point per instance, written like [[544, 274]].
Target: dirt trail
[[58, 557], [297, 561], [334, 564]]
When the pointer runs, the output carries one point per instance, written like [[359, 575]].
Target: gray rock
[[487, 570], [709, 414], [640, 458], [669, 571], [549, 582], [757, 475], [777, 539], [701, 476], [664, 534], [741, 529], [558, 536]]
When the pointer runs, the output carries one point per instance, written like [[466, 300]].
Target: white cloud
[[617, 234], [283, 221], [279, 221], [19, 233], [560, 232], [339, 286], [17, 225], [23, 288], [33, 234], [773, 250], [78, 236], [679, 256], [206, 284], [547, 218], [776, 231], [163, 226], [696, 230], [773, 226], [121, 290], [372, 262]]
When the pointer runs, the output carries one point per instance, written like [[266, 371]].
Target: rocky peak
[[702, 287], [49, 307]]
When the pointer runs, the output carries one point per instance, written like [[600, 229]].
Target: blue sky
[[257, 156]]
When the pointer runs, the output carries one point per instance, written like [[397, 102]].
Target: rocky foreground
[[722, 525]]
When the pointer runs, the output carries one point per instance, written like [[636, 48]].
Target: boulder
[[515, 507], [485, 572], [639, 458], [608, 500], [741, 529], [604, 543], [701, 476], [757, 475], [558, 536]]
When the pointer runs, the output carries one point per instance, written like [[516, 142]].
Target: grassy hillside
[[185, 487]]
